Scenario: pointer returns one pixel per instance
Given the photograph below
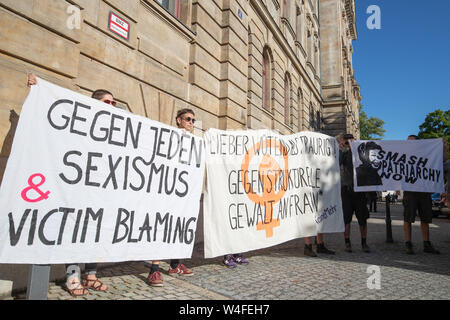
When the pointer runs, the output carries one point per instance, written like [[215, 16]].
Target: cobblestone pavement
[[283, 272]]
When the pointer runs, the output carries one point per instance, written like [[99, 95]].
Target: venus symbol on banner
[[269, 170]]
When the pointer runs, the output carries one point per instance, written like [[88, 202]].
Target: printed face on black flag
[[367, 172]]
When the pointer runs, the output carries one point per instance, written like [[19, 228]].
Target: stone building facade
[[279, 64], [340, 91]]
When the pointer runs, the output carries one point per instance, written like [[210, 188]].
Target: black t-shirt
[[366, 175]]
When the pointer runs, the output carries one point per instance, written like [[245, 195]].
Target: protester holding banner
[[91, 281], [414, 166], [341, 141], [308, 250], [31, 80], [89, 183], [73, 285], [352, 202], [185, 120], [420, 202], [264, 188]]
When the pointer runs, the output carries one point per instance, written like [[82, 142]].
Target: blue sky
[[403, 68]]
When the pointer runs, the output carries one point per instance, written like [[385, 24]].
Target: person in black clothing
[[308, 250], [419, 202], [372, 198], [352, 202]]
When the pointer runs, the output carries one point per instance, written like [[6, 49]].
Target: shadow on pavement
[[382, 253]]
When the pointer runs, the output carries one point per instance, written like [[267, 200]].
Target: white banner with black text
[[87, 182], [264, 189]]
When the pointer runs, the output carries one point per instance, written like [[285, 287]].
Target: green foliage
[[371, 128], [436, 125]]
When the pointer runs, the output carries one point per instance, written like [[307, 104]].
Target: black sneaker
[[322, 249], [365, 248], [428, 248], [348, 247], [409, 247], [309, 251]]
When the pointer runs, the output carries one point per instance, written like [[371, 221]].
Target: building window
[[300, 109], [318, 122], [285, 9], [266, 80], [173, 6], [299, 26], [309, 40], [316, 53], [287, 99]]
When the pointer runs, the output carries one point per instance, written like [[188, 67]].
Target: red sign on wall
[[119, 26]]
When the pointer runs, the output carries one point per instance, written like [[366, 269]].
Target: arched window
[[318, 122], [285, 9], [266, 74], [309, 40], [287, 99], [316, 51], [299, 25]]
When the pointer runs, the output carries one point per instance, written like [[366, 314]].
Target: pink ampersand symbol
[[35, 187]]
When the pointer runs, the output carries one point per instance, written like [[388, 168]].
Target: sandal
[[76, 289], [94, 284]]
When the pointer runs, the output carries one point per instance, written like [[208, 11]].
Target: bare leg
[[425, 231], [427, 246], [363, 231], [347, 231], [319, 238]]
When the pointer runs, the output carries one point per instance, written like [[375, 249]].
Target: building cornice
[[351, 18]]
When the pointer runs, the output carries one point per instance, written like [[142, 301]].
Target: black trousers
[[373, 203]]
